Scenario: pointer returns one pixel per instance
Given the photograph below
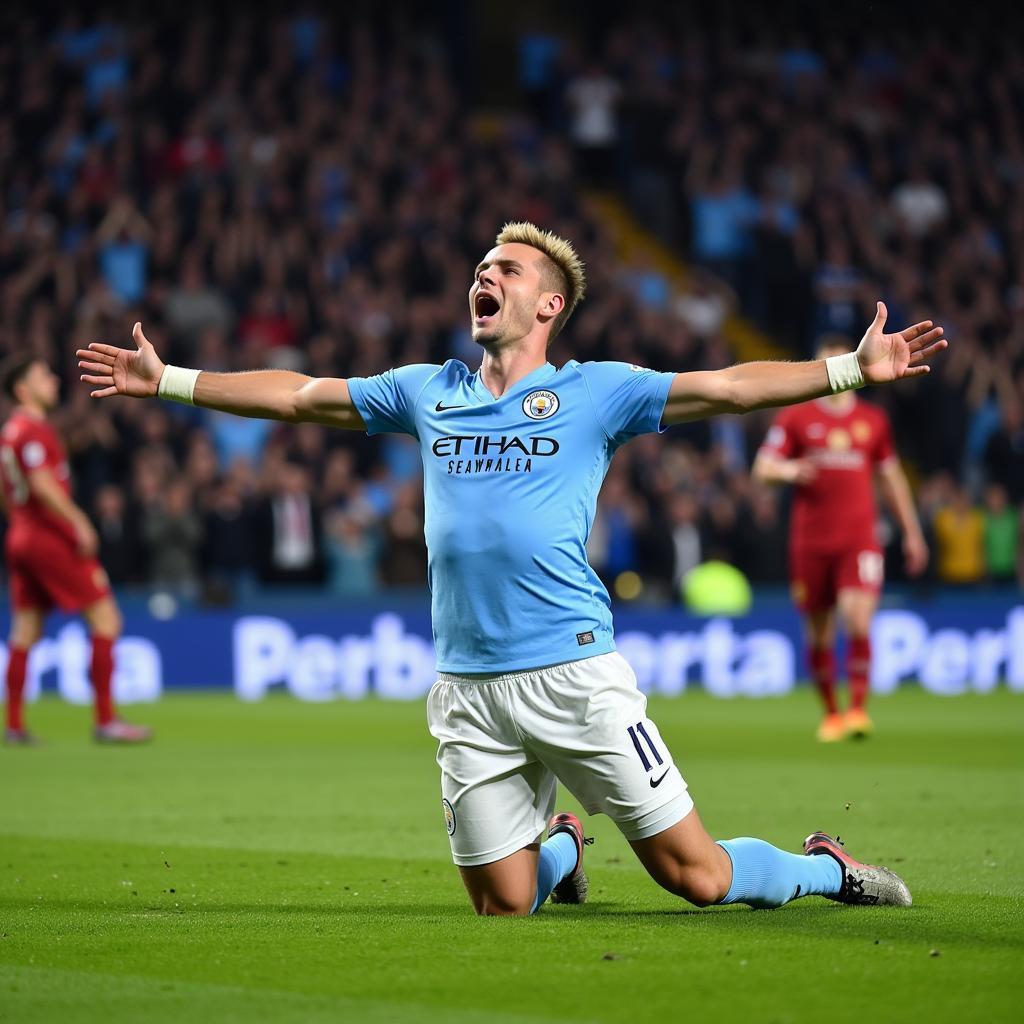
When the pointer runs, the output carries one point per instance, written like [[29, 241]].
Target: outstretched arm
[[879, 359], [264, 394]]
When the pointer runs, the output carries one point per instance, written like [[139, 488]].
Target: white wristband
[[178, 384], [844, 372]]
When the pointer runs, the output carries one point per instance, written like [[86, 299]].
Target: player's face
[[506, 294], [40, 386]]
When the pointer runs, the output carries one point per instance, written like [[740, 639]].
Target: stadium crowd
[[305, 194]]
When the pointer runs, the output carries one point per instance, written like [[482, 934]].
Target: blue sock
[[764, 876], [557, 859]]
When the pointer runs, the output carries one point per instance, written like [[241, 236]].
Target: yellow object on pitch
[[716, 588]]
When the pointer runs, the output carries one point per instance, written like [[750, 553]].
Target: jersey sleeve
[[782, 440], [387, 401], [35, 450], [628, 400], [883, 449]]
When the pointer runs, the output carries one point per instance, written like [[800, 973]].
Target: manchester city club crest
[[449, 816], [540, 405]]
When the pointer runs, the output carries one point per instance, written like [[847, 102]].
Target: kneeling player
[[530, 687], [830, 449], [50, 549]]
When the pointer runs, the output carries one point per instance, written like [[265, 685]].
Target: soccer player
[[831, 450], [530, 688], [51, 551]]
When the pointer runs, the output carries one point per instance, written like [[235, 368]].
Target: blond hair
[[562, 269]]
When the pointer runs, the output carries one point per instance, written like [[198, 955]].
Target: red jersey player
[[831, 450], [50, 549]]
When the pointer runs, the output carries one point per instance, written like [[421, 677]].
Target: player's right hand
[[121, 371], [86, 537], [802, 471]]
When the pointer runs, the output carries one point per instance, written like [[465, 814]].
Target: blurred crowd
[[308, 193]]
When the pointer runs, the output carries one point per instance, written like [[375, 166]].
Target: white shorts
[[504, 741]]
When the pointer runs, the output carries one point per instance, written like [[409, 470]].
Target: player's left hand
[[887, 357], [915, 554]]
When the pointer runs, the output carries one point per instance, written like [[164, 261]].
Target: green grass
[[287, 861]]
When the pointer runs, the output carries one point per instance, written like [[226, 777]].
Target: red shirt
[[27, 444], [837, 508]]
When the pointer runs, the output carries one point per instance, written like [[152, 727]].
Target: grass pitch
[[289, 862]]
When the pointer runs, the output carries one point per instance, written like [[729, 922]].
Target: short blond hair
[[563, 270]]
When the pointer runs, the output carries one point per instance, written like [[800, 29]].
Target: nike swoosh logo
[[655, 783], [444, 408]]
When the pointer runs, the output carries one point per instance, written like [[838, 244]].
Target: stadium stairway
[[634, 243]]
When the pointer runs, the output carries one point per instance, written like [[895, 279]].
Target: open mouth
[[485, 306]]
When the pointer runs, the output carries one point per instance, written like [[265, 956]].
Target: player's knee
[[820, 635], [495, 905], [116, 623], [860, 626], [858, 629], [703, 887], [105, 620], [24, 638], [857, 616], [25, 631]]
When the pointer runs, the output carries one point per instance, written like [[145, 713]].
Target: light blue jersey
[[511, 488]]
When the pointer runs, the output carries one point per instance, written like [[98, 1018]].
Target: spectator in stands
[[404, 557], [287, 535], [719, 533], [703, 309], [322, 209], [919, 202], [119, 550], [123, 235], [593, 97], [723, 214], [612, 546], [1003, 527], [172, 535], [193, 306], [960, 537], [227, 555], [352, 549], [683, 515], [762, 537], [837, 288], [1004, 453]]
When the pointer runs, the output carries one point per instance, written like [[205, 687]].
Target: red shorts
[[816, 577], [46, 572]]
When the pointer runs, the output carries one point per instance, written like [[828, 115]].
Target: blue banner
[[320, 652]]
